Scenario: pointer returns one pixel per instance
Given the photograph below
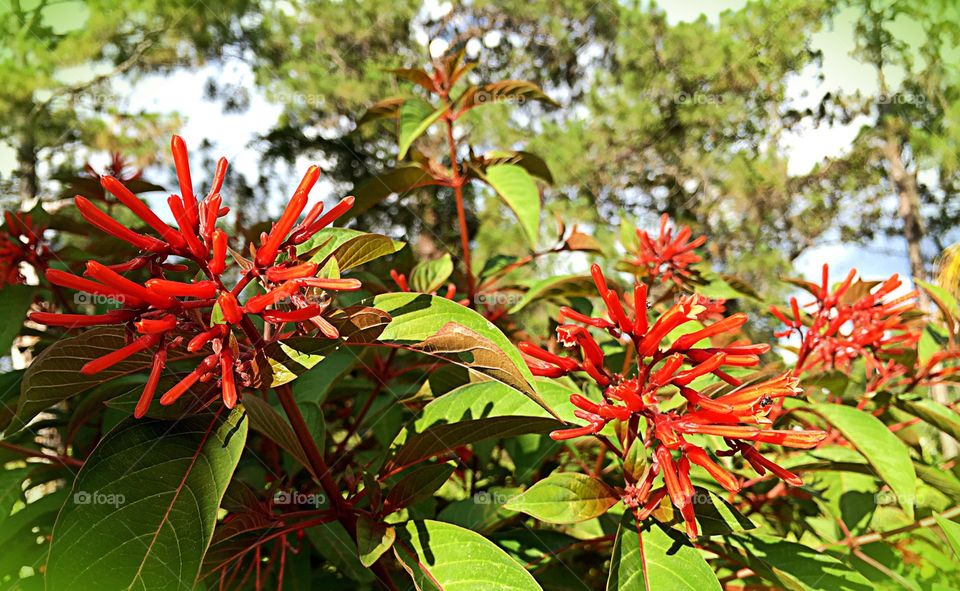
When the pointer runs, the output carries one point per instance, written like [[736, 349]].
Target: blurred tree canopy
[[689, 118]]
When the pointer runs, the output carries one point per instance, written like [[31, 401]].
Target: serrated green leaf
[[143, 508], [565, 497]]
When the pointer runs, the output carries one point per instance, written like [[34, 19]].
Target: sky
[[232, 133]]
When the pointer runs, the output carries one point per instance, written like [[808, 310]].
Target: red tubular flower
[[80, 320], [268, 251], [298, 315], [328, 218], [142, 211], [182, 163], [227, 383], [218, 261], [230, 308], [107, 224], [123, 285], [198, 289], [760, 464], [661, 369], [279, 274], [115, 357], [163, 305], [160, 325], [174, 393], [186, 227], [146, 398], [667, 257]]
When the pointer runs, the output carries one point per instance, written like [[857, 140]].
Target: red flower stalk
[[665, 367], [666, 257], [165, 312]]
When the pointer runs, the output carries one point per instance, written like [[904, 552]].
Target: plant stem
[[317, 464], [30, 453], [342, 509], [457, 181]]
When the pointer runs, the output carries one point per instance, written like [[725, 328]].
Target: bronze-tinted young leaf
[[565, 497], [150, 493], [463, 346], [266, 420], [417, 485], [533, 164], [402, 180], [55, 375], [517, 91], [415, 75], [388, 108]]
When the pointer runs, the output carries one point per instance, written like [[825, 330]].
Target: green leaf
[[334, 543], [485, 400], [350, 248], [15, 300], [565, 497], [143, 508], [951, 531], [416, 116], [883, 450], [266, 420], [373, 539], [666, 561], [555, 287], [402, 180], [417, 485], [530, 162], [55, 375], [429, 276], [930, 411], [635, 463], [435, 326], [443, 557], [716, 516], [519, 191], [518, 91], [442, 438], [790, 565]]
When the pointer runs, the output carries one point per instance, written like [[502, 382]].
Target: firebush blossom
[[857, 320], [21, 241], [665, 367], [667, 257], [205, 313]]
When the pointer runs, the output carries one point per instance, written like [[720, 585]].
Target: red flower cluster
[[21, 242], [853, 320], [162, 313], [667, 257], [664, 368]]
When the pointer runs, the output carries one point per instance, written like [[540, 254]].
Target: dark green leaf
[[143, 508], [373, 539], [666, 561], [417, 485]]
